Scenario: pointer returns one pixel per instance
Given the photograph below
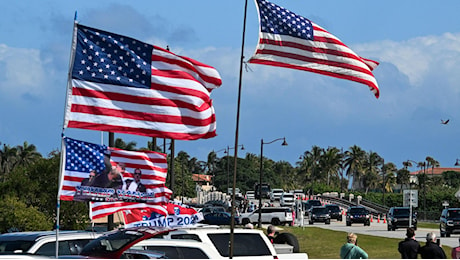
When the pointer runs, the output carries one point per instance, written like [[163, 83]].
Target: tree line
[[29, 181]]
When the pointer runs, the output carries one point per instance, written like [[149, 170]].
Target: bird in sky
[[444, 122]]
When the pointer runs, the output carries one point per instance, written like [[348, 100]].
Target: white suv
[[273, 215], [44, 242], [186, 249], [287, 199], [275, 194]]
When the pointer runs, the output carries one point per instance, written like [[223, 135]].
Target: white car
[[270, 215], [275, 194], [248, 243], [44, 242], [174, 249], [250, 195], [287, 199]]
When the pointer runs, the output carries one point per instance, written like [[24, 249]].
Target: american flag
[[292, 41], [119, 84], [102, 209], [81, 157]]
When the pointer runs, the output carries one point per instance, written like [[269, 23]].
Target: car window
[[401, 212], [245, 244], [175, 252], [319, 210], [11, 246], [358, 211], [186, 236], [453, 214]]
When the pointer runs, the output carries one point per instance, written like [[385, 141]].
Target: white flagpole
[[66, 108]]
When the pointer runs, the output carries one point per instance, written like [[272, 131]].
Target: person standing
[[409, 247], [271, 233], [455, 253], [351, 250], [431, 250]]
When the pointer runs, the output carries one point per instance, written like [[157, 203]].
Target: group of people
[[410, 248]]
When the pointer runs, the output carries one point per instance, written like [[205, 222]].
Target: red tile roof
[[436, 171], [201, 177]]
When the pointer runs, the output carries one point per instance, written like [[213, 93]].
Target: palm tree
[[433, 163], [354, 159], [403, 177], [26, 154], [331, 162], [371, 167], [119, 143], [8, 157], [390, 179]]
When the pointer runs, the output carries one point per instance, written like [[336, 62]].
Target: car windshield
[[15, 246], [401, 212], [453, 214], [319, 211], [333, 208], [358, 211]]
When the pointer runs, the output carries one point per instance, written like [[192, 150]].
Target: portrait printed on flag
[[94, 172]]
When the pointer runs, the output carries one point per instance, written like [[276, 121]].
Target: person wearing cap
[[351, 250], [409, 247], [455, 253], [431, 250]]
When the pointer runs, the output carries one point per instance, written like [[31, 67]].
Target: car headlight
[[395, 220], [450, 222]]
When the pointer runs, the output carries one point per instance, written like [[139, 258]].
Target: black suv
[[398, 217], [449, 223], [334, 211], [306, 206], [319, 214], [358, 214]]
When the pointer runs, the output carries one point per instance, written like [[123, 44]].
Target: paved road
[[380, 229]]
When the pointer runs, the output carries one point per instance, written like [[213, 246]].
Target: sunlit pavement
[[379, 228]]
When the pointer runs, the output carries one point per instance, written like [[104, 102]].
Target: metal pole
[[232, 223], [110, 224], [259, 223], [228, 168]]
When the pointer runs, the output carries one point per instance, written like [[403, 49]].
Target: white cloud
[[23, 72]]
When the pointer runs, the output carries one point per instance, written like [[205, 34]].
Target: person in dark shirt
[[137, 178], [271, 233], [111, 179], [88, 181], [431, 250], [409, 247]]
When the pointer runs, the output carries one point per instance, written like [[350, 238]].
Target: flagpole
[[61, 168], [232, 226]]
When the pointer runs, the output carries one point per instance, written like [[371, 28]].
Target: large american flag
[[292, 41], [119, 84], [81, 157]]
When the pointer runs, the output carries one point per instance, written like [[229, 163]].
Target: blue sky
[[416, 43]]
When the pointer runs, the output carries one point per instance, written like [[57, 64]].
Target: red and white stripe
[[325, 55], [177, 106]]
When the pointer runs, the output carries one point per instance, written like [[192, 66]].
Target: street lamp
[[259, 225], [227, 152]]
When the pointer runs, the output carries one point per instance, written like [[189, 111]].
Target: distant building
[[430, 172]]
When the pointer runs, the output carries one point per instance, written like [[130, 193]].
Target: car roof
[[36, 235]]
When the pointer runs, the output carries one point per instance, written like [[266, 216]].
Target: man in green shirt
[[351, 250]]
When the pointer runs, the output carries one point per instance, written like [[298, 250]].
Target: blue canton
[[109, 58], [84, 157], [278, 20]]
